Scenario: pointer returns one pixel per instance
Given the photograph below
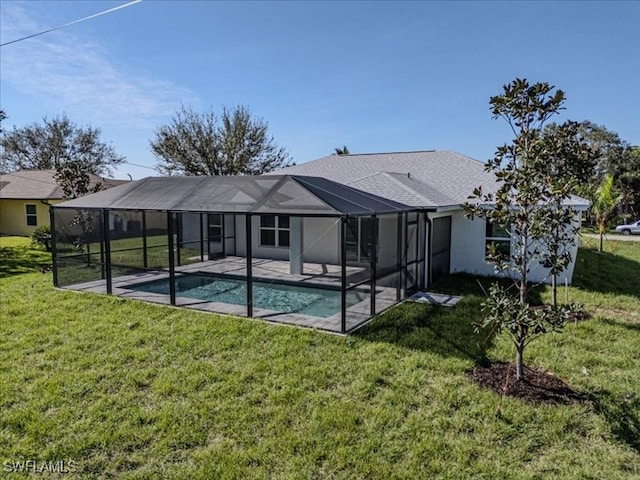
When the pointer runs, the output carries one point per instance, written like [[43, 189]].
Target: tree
[[536, 172], [75, 181], [626, 175], [573, 160], [604, 200], [3, 117], [203, 144], [342, 151], [42, 236], [617, 158], [53, 144]]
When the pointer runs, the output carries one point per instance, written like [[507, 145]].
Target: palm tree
[[604, 201], [342, 151]]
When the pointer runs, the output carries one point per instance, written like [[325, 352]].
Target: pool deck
[[313, 273], [275, 271]]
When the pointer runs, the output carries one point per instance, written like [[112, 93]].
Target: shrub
[[42, 236]]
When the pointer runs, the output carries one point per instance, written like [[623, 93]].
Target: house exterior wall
[[320, 237], [468, 249], [13, 217]]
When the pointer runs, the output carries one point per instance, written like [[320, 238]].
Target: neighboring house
[[25, 197], [327, 244]]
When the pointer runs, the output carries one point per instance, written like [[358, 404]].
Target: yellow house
[[25, 197]]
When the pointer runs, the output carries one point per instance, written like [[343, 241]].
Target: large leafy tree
[[76, 181], [618, 159], [536, 174], [234, 143], [571, 159], [54, 143], [3, 117]]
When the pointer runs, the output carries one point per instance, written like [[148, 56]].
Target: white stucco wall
[[321, 238], [468, 249], [321, 243]]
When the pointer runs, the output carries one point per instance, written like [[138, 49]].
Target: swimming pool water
[[317, 302]]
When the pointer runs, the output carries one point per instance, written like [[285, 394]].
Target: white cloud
[[68, 72]]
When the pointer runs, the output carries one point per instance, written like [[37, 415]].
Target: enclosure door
[[215, 235], [441, 247]]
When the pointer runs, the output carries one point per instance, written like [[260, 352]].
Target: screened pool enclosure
[[291, 249]]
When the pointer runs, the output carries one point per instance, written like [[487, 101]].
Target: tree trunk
[[519, 361], [554, 290], [601, 235], [601, 228], [523, 271]]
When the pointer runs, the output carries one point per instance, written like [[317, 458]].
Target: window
[[499, 236], [32, 216], [274, 231]]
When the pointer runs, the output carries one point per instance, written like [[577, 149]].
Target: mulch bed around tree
[[537, 386]]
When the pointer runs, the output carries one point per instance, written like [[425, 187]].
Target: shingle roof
[[255, 194], [420, 179], [40, 185]]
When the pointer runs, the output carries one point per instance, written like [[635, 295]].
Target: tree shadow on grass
[[17, 260], [606, 273], [446, 331], [622, 324], [622, 413]]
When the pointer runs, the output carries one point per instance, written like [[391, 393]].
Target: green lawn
[[136, 390]]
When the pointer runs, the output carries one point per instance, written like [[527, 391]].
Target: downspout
[[428, 240]]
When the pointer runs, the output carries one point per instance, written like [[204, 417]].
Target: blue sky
[[377, 77]]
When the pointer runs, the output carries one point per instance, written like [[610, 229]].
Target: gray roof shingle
[[40, 185], [421, 179]]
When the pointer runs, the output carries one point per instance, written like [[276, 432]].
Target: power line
[[72, 23], [138, 165]]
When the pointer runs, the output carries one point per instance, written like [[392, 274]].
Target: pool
[[316, 302]]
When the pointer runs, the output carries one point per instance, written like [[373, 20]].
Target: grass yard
[[126, 257], [132, 390]]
